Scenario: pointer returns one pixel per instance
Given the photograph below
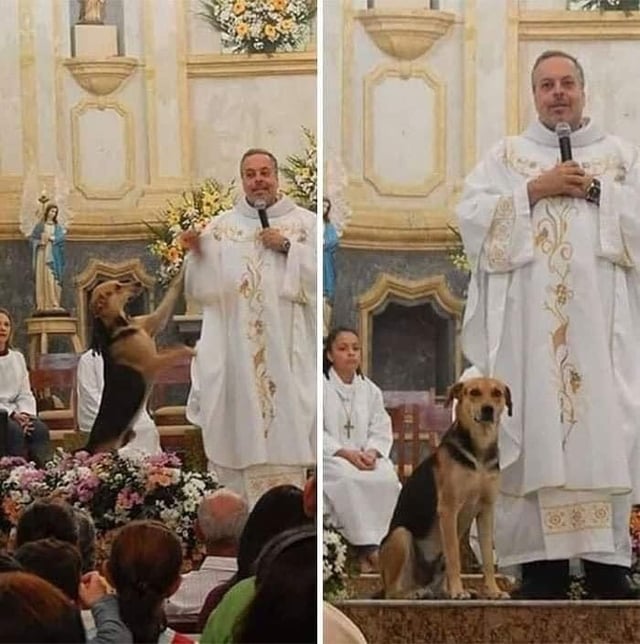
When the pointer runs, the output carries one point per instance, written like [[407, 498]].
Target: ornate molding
[[437, 174], [406, 35], [579, 25], [128, 184], [387, 287], [236, 65], [101, 77], [405, 230]]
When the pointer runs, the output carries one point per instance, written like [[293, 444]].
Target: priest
[[254, 271], [553, 239]]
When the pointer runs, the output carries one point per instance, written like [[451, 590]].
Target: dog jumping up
[[131, 358], [420, 555]]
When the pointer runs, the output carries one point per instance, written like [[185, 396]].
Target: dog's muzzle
[[487, 414]]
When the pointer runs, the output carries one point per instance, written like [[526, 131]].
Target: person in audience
[[46, 518], [277, 510], [8, 563], [258, 290], [60, 563], [221, 518], [34, 610], [144, 569], [360, 483], [22, 433], [284, 607], [56, 561], [86, 539], [90, 383]]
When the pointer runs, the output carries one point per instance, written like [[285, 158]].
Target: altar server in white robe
[[360, 483], [89, 386], [256, 355], [554, 310]]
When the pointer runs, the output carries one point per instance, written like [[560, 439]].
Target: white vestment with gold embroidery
[[359, 503], [256, 362], [554, 310]]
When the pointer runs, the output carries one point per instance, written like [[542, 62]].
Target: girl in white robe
[[360, 483]]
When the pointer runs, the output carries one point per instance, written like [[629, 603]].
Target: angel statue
[[91, 12], [46, 230], [335, 215]]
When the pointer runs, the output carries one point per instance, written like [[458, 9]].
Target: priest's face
[[558, 92], [260, 179]]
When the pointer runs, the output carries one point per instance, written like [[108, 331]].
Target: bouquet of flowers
[[334, 560], [457, 254], [194, 211], [261, 26], [302, 173], [114, 489]]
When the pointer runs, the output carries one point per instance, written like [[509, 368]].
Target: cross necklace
[[348, 426]]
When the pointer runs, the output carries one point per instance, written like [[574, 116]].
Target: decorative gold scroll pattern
[[574, 518], [499, 237], [550, 238], [250, 288]]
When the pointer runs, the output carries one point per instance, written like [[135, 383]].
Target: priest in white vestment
[[360, 483], [89, 386], [257, 351], [554, 310]]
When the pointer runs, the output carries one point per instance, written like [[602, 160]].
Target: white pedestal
[[96, 41]]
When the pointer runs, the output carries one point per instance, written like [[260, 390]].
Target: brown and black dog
[[131, 358], [420, 555]]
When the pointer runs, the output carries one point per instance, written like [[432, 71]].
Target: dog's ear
[[507, 398], [97, 304], [455, 391]]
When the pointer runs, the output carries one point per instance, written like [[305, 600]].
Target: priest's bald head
[[557, 80]]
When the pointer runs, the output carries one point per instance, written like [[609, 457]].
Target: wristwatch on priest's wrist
[[592, 194], [285, 246]]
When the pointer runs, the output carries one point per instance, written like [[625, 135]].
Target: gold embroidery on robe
[[498, 240], [577, 517]]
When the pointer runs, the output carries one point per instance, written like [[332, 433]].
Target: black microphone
[[261, 206], [563, 132]]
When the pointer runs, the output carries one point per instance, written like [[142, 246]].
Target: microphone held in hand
[[563, 131], [261, 206]]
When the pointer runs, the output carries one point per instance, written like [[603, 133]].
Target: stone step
[[367, 585], [471, 621]]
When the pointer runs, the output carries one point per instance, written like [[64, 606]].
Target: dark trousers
[[36, 446]]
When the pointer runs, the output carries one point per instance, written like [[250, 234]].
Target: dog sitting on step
[[420, 555], [131, 358]]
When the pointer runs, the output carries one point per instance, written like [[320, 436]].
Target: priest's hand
[[190, 240], [356, 457], [371, 456], [565, 179], [272, 239]]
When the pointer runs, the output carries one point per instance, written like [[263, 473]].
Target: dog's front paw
[[460, 594], [495, 593]]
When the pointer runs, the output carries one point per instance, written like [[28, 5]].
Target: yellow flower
[[278, 5], [238, 7], [270, 32], [285, 26], [242, 29]]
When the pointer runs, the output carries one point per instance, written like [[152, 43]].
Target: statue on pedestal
[[91, 12], [46, 229]]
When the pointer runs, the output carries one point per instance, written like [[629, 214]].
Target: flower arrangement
[[334, 560], [604, 5], [457, 254], [194, 211], [301, 171], [114, 489], [261, 26]]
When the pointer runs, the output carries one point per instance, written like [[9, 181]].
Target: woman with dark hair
[[144, 568], [33, 610], [22, 433], [276, 510], [284, 607], [360, 483]]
